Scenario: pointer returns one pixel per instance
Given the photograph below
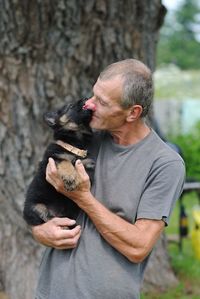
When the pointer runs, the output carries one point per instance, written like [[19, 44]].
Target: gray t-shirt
[[137, 181]]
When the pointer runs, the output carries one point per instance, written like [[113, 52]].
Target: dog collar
[[72, 149]]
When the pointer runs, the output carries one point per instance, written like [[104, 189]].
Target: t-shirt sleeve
[[163, 187]]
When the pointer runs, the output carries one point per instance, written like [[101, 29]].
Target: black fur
[[71, 125]]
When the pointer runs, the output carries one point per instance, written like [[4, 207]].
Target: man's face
[[107, 112]]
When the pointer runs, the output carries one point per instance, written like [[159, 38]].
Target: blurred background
[[177, 112], [52, 52], [177, 80]]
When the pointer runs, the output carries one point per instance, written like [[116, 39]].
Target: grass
[[185, 265]]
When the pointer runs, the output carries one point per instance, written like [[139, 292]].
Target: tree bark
[[159, 275], [52, 51]]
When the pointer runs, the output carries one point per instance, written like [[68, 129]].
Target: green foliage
[[178, 39], [185, 265], [186, 17], [179, 50], [190, 146]]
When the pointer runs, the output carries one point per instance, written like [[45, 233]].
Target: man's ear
[[134, 113]]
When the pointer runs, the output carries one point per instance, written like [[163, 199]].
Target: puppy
[[72, 136]]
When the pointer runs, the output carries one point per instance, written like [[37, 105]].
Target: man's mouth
[[94, 116], [85, 107]]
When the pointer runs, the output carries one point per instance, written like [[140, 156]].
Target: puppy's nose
[[89, 105]]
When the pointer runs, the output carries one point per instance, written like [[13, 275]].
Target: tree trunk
[[52, 51], [159, 275]]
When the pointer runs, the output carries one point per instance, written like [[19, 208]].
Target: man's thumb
[[80, 167]]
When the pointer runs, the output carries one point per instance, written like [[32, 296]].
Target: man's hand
[[78, 196], [54, 233]]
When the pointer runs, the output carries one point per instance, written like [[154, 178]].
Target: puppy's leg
[[88, 163], [69, 175], [43, 212]]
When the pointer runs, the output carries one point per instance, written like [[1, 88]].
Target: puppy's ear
[[50, 119]]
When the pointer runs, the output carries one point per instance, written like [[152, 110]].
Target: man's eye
[[102, 102]]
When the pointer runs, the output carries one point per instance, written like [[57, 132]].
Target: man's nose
[[89, 104]]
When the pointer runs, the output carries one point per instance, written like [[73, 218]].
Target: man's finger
[[80, 168], [69, 241], [64, 221], [52, 165]]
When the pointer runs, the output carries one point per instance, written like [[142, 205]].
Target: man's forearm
[[134, 241]]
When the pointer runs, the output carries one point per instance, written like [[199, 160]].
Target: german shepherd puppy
[[72, 135]]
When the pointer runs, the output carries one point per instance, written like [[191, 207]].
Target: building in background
[[177, 117]]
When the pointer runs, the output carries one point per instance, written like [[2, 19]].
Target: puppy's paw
[[70, 183], [68, 174]]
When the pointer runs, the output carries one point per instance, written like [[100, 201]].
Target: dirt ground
[[3, 296]]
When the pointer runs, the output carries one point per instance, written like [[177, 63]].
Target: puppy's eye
[[64, 119]]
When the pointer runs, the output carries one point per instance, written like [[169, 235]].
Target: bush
[[190, 147]]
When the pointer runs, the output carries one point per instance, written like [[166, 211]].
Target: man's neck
[[131, 134]]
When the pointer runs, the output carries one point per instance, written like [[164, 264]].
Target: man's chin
[[94, 125]]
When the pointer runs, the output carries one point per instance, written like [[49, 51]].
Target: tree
[[179, 42], [51, 51], [187, 18]]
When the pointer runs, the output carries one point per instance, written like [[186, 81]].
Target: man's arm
[[135, 241]]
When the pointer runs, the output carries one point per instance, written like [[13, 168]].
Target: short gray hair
[[137, 83]]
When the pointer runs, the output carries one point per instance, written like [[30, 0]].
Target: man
[[137, 180]]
